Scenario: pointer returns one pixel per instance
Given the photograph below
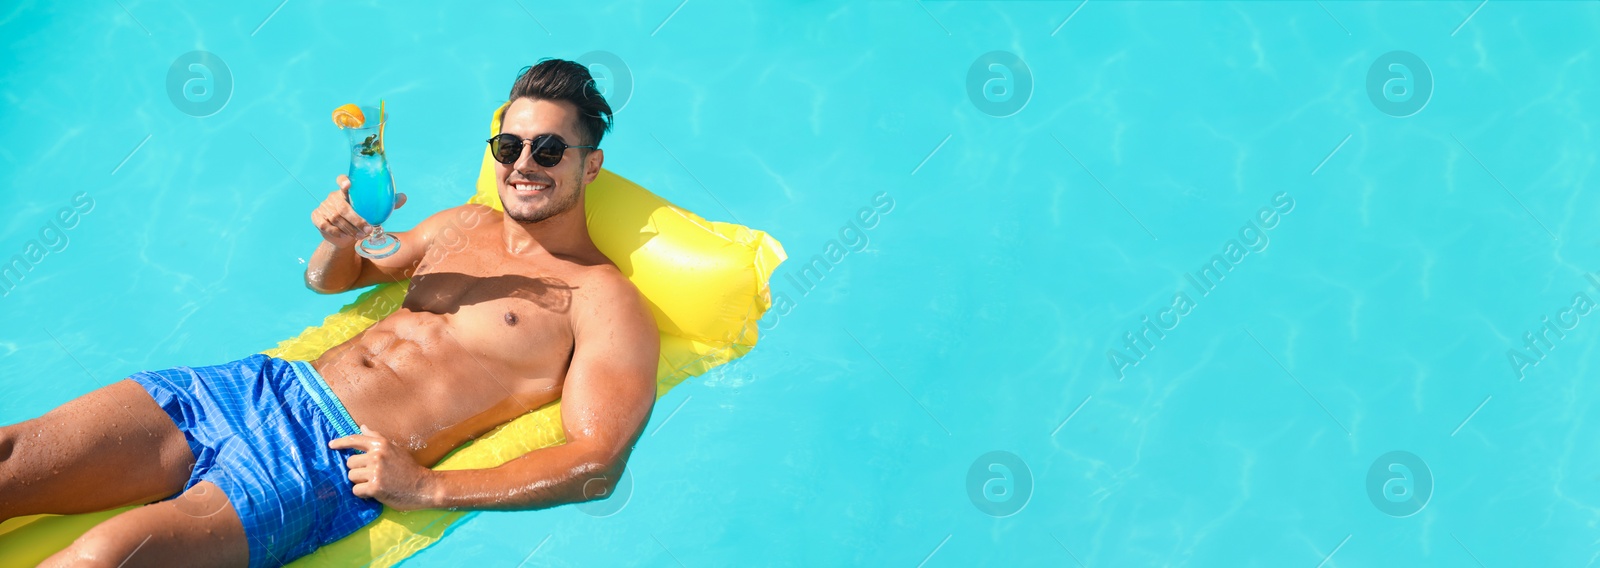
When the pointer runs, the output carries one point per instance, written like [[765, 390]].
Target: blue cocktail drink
[[371, 186]]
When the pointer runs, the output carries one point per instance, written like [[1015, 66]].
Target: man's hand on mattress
[[338, 221], [386, 472]]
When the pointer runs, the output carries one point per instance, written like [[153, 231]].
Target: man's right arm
[[335, 267]]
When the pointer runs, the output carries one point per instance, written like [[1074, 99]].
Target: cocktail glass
[[371, 185]]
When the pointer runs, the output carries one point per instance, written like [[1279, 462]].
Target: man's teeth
[[530, 186]]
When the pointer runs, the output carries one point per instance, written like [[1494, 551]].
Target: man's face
[[529, 191]]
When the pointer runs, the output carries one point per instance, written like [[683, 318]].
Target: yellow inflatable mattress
[[706, 283]]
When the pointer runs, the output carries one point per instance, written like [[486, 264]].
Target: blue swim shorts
[[259, 428]]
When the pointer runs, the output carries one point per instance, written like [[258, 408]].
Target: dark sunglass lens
[[547, 150], [505, 148]]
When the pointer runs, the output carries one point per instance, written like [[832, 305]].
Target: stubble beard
[[557, 204]]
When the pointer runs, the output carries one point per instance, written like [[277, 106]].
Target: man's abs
[[432, 381]]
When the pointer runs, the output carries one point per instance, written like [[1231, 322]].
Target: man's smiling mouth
[[526, 187]]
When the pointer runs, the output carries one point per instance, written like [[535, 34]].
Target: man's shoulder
[[607, 302], [603, 280], [602, 287]]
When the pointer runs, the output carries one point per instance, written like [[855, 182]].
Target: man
[[270, 459]]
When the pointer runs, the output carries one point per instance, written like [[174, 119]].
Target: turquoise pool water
[[1358, 389]]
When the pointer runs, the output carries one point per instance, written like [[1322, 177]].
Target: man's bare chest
[[516, 312]]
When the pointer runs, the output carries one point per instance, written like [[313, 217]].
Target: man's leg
[[199, 528], [112, 447]]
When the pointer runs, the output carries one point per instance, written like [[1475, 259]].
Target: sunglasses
[[547, 148]]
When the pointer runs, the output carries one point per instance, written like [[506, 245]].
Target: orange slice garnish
[[349, 116]]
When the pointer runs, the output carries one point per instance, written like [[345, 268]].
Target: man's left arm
[[606, 399]]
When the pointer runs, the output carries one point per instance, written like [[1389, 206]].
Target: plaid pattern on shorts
[[258, 435]]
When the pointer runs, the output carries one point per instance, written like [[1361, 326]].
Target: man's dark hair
[[563, 80]]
